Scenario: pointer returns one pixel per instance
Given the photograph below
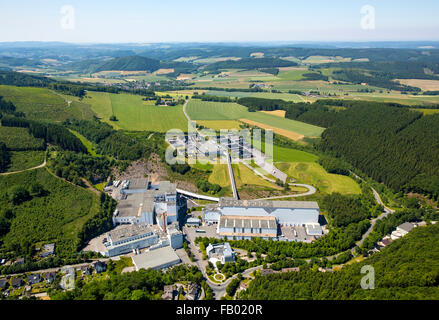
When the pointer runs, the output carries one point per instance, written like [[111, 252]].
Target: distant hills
[[130, 63]]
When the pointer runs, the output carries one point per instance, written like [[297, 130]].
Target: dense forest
[[129, 63], [5, 157], [250, 63], [387, 141], [375, 78], [51, 133], [111, 142], [407, 269]]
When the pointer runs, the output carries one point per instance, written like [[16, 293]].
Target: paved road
[[229, 165], [232, 177], [311, 191]]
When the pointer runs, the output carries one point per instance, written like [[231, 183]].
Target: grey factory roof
[[156, 259], [407, 226], [128, 232], [138, 184], [247, 222], [230, 202], [130, 206]]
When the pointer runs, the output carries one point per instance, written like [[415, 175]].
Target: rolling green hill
[[130, 63]]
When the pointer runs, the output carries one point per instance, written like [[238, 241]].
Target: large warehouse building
[[247, 219]]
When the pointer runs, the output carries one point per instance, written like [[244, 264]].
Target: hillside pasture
[[134, 114], [44, 104]]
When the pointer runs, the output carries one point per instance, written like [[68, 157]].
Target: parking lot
[[191, 234]]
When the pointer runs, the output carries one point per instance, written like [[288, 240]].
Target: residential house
[[3, 283], [48, 250], [50, 276], [34, 278], [19, 261], [192, 291], [168, 293], [100, 266], [243, 285], [16, 283]]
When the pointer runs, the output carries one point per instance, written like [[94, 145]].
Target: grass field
[[220, 124], [135, 114], [220, 175], [21, 160], [85, 142], [313, 174], [44, 104], [245, 177], [203, 110], [19, 139], [426, 111]]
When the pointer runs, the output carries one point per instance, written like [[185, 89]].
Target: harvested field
[[425, 85], [278, 113], [164, 71], [289, 134]]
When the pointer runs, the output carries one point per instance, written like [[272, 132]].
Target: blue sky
[[225, 20]]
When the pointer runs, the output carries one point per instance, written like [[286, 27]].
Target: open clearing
[[425, 85]]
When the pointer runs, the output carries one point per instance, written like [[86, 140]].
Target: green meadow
[[134, 114], [45, 104]]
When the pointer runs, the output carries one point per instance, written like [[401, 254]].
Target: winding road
[[34, 168]]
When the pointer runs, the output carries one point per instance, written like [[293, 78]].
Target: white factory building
[[247, 219]]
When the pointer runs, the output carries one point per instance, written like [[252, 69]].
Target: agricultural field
[[134, 114], [44, 104], [56, 216], [20, 139], [203, 110], [220, 124], [425, 85]]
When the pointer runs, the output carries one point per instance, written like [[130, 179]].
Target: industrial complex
[[247, 219]]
